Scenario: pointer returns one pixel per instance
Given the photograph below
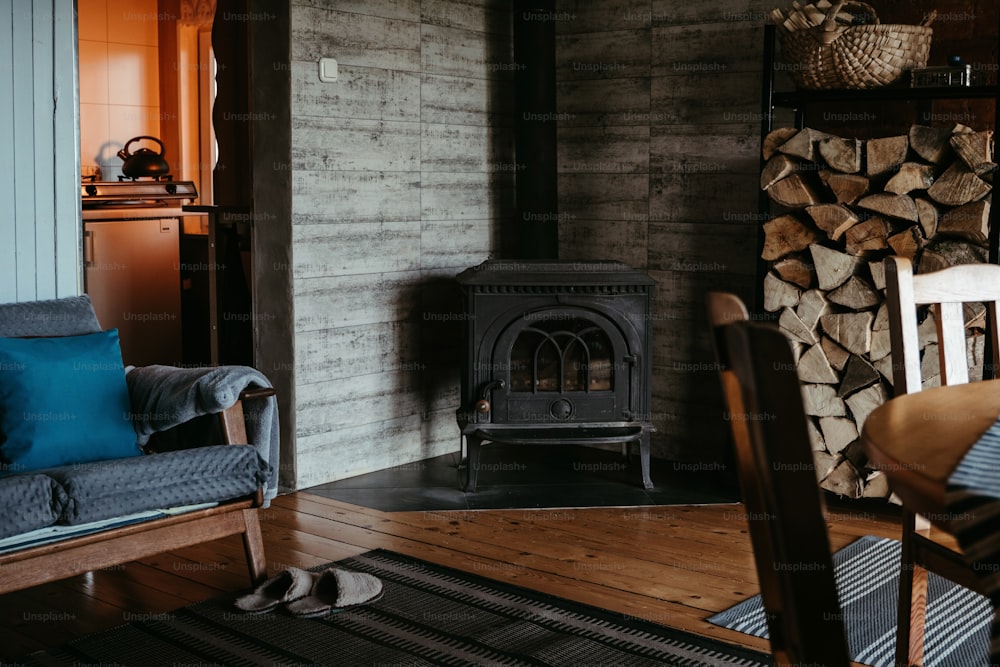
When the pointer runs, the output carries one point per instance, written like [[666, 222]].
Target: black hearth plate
[[520, 477]]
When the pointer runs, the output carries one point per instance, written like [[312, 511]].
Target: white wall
[[40, 225]]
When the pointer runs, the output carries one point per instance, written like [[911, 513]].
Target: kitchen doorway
[[148, 69]]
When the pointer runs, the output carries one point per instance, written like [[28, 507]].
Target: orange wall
[[119, 80]]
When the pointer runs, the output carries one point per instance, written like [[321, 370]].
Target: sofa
[[101, 464]]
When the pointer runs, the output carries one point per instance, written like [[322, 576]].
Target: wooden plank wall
[[40, 227], [402, 177], [658, 138], [401, 172], [659, 117]]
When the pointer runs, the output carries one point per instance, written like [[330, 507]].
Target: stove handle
[[483, 405]]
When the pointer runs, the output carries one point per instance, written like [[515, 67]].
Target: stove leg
[[472, 462], [647, 483]]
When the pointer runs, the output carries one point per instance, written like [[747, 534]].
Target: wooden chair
[[777, 475], [946, 291]]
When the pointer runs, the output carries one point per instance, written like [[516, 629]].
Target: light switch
[[327, 69]]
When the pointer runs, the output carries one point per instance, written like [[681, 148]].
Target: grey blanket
[[166, 396]]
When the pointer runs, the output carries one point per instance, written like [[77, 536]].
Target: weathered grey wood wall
[[401, 172], [40, 224], [402, 175], [659, 123]]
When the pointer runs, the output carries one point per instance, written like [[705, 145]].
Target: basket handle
[[832, 30]]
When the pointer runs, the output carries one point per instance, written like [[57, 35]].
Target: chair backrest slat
[[945, 291], [903, 326], [950, 321]]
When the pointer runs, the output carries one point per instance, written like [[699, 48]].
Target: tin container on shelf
[[950, 76]]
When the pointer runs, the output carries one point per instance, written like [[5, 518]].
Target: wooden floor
[[671, 565]]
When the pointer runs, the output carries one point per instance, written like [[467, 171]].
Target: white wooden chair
[[946, 291]]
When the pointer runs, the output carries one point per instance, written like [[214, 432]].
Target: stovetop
[[143, 192]]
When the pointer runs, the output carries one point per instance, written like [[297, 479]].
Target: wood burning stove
[[557, 352]]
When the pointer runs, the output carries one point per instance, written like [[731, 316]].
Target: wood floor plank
[[588, 554], [667, 543], [670, 565]]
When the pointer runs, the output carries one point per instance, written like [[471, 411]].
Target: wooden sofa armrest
[[234, 430]]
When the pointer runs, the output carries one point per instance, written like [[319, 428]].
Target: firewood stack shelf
[[835, 207]]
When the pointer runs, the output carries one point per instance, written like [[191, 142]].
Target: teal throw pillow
[[63, 400]]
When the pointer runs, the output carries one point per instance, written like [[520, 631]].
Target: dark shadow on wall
[[439, 312]]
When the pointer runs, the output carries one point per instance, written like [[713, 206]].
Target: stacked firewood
[[843, 205]]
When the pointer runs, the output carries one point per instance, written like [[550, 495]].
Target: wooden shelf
[[804, 102], [796, 98]]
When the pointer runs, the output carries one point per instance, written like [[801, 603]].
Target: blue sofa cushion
[[106, 489], [63, 400], [29, 502]]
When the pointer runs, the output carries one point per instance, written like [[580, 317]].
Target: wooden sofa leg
[[253, 546]]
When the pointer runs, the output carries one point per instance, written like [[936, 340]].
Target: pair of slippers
[[308, 594]]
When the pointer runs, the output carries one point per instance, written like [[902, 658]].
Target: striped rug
[[429, 615], [867, 572]]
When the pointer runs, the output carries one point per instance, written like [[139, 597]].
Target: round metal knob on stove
[[561, 409]]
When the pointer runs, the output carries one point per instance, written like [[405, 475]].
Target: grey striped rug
[[429, 615], [867, 572]]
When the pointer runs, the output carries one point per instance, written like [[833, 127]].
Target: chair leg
[[918, 616], [912, 606]]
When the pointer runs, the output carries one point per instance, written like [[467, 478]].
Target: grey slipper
[[286, 586], [335, 590]]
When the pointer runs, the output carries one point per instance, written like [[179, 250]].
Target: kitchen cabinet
[[132, 274]]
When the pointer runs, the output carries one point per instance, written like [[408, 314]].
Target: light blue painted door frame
[[40, 222]]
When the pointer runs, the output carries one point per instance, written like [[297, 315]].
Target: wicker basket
[[832, 55]]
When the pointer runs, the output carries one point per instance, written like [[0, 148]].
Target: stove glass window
[[561, 354]]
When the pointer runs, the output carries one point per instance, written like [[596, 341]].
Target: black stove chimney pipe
[[537, 226]]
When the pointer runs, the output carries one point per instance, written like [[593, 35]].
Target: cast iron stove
[[557, 352]]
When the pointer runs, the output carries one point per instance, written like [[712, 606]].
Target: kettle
[[144, 161]]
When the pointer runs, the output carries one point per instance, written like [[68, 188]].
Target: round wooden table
[[918, 440]]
